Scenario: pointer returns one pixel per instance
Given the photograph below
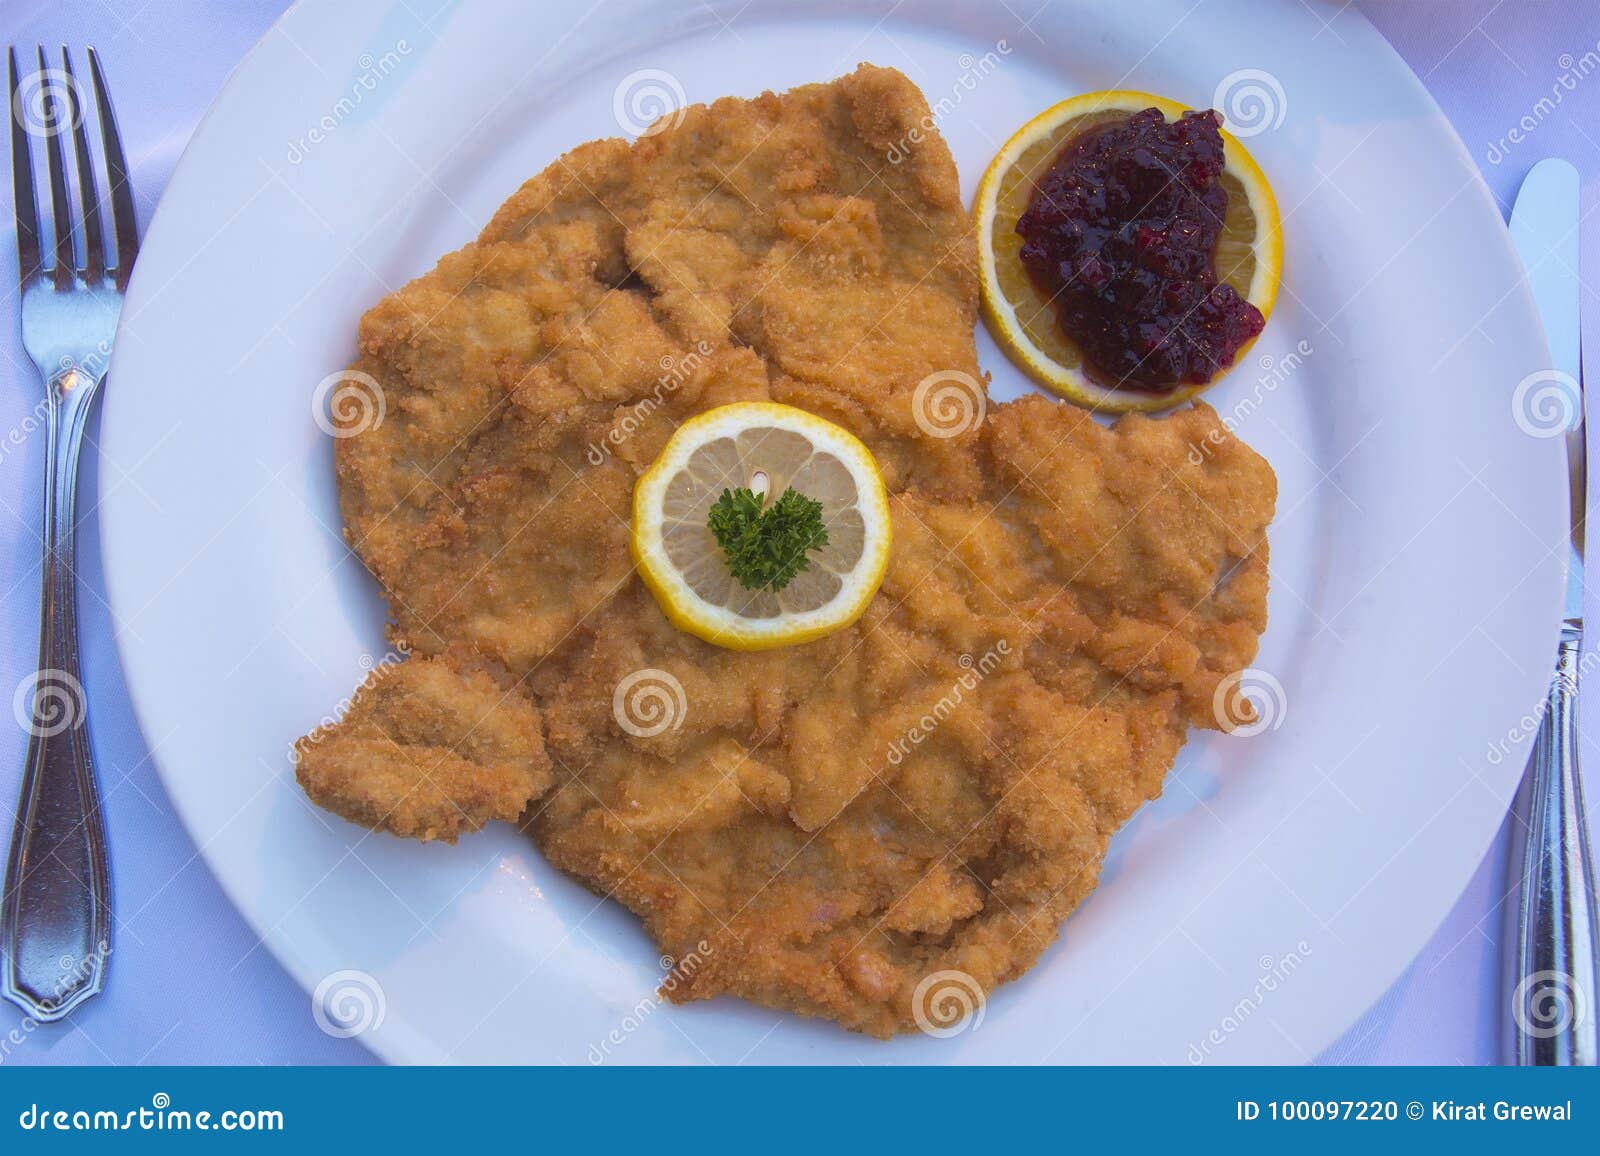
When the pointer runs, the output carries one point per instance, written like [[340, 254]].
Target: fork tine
[[121, 190], [22, 183], [94, 252], [60, 205]]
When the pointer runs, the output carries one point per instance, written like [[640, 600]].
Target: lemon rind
[[716, 624], [1000, 316]]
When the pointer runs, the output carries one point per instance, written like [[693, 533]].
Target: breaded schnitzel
[[931, 789], [427, 749]]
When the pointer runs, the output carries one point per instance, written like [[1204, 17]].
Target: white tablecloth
[[190, 983]]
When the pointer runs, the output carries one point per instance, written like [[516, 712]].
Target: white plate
[[1280, 884]]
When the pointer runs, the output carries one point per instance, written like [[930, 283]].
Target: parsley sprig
[[767, 548]]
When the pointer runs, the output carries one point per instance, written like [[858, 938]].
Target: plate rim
[[402, 1043]]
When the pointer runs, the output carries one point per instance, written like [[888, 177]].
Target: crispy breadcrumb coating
[[427, 750], [930, 789]]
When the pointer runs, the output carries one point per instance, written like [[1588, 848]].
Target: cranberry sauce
[[1121, 233]]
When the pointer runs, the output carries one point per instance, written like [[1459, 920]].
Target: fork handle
[[55, 928], [1554, 998]]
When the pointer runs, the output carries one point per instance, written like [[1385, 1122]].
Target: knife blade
[[1552, 928], [1544, 229]]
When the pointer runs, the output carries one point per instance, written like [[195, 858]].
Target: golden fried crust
[[427, 750], [1157, 526], [930, 789]]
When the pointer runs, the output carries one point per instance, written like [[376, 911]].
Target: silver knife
[[1552, 929]]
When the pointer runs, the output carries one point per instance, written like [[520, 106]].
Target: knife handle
[[1554, 997]]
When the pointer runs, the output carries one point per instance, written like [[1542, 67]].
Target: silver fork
[[55, 922]]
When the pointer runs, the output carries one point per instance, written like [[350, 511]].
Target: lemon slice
[[1249, 253], [767, 448]]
